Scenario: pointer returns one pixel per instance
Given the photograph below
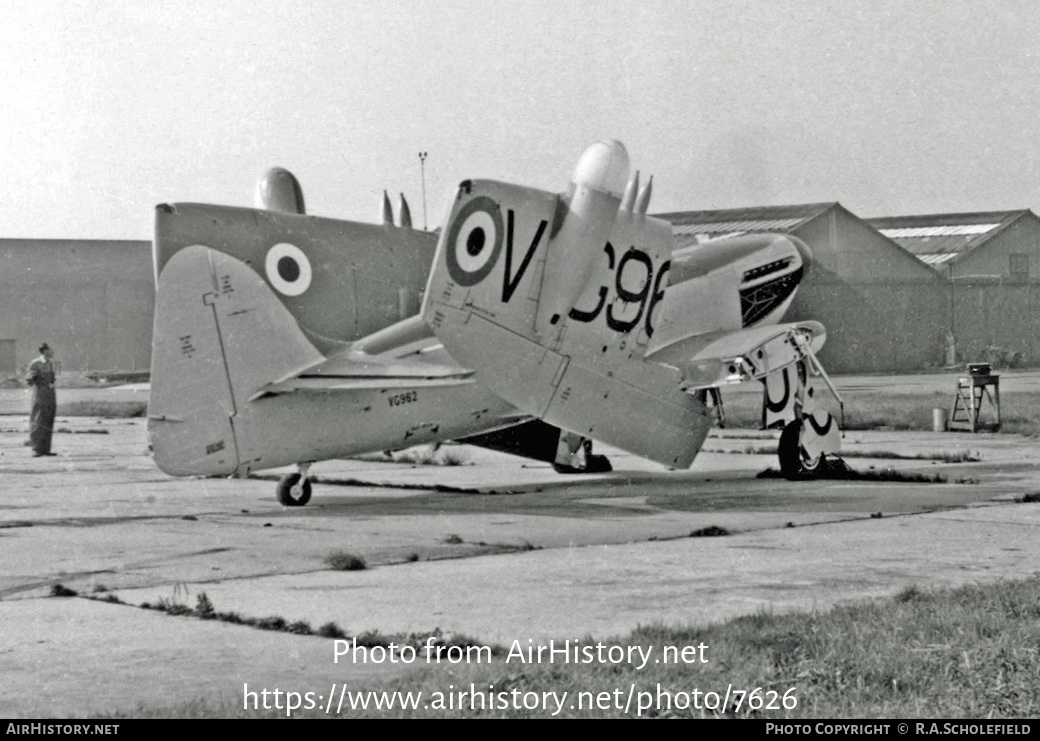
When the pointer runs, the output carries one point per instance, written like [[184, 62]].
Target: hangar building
[[992, 260], [884, 309], [91, 300], [891, 291]]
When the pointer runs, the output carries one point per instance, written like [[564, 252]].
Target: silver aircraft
[[535, 323]]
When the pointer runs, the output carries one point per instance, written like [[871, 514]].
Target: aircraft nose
[[803, 250]]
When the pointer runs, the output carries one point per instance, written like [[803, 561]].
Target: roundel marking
[[778, 406], [823, 429], [474, 241], [288, 269]]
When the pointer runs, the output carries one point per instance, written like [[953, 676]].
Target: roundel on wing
[[474, 241], [288, 269]]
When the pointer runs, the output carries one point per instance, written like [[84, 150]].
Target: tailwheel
[[795, 461], [294, 490]]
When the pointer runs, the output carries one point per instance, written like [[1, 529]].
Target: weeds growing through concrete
[[344, 561], [104, 409], [955, 653], [712, 531]]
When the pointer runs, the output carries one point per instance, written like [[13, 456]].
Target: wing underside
[[726, 357]]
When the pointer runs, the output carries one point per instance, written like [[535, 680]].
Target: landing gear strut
[[294, 489]]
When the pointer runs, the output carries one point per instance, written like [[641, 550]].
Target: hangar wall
[[993, 318], [92, 301], [884, 310], [991, 261], [996, 296], [994, 258]]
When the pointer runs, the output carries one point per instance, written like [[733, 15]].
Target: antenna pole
[[422, 167]]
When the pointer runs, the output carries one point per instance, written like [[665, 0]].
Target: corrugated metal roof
[[936, 260], [759, 218], [686, 240], [940, 231], [717, 227], [948, 220], [698, 227], [940, 238], [952, 244]]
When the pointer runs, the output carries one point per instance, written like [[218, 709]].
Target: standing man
[[44, 402]]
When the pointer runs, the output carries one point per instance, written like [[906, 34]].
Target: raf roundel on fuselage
[[474, 241], [288, 269]]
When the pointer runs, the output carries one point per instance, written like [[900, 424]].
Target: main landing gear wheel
[[795, 462], [593, 464], [294, 490]]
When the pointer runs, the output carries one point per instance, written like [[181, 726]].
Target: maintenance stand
[[972, 390]]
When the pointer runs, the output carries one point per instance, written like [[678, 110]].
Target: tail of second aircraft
[[238, 387]]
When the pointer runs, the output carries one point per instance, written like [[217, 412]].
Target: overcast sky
[[108, 108]]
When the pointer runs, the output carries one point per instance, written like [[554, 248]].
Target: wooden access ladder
[[969, 400]]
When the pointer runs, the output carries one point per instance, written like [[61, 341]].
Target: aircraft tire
[[795, 464], [594, 464], [560, 468], [598, 464], [285, 490]]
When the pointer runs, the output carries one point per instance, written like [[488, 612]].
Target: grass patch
[[838, 470], [105, 409], [274, 622], [455, 457], [712, 531], [343, 561], [964, 653], [909, 594], [330, 630], [868, 410], [173, 607], [964, 456], [204, 608]]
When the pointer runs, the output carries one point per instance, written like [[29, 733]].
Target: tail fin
[[551, 300], [219, 336]]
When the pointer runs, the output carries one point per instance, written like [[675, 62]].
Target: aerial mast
[[422, 167]]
